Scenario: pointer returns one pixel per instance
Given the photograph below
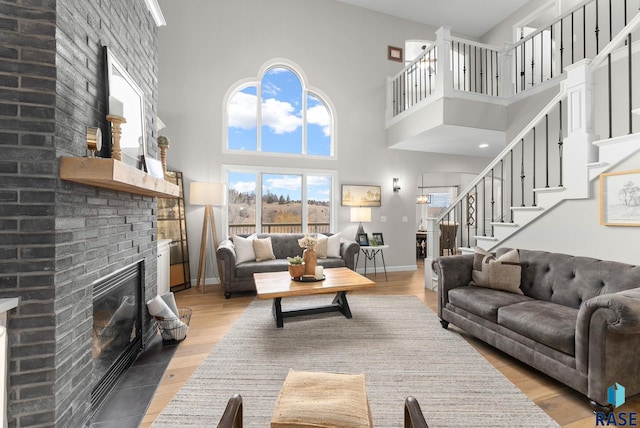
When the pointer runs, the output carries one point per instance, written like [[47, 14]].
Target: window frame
[[259, 170], [306, 90]]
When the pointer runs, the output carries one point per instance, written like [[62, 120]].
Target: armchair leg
[[227, 295], [444, 324]]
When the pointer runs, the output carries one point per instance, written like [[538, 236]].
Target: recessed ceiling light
[[483, 145]]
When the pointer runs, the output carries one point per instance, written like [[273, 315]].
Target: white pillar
[[444, 74], [433, 249], [578, 149]]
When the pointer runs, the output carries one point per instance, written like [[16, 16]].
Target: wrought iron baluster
[[584, 31], [573, 31], [502, 193], [597, 30], [546, 151], [560, 142], [609, 97], [533, 60], [511, 183], [522, 172], [484, 206], [630, 60], [534, 168], [562, 46], [552, 51]]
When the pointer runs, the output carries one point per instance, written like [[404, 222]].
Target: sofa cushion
[[502, 273], [247, 269], [545, 322], [263, 249], [483, 302], [244, 248], [328, 246]]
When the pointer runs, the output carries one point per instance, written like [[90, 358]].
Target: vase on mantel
[[310, 261]]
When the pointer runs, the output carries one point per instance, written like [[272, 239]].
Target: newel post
[[505, 68], [433, 250], [577, 146], [444, 73]]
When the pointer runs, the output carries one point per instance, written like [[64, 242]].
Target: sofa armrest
[[453, 272], [226, 254], [348, 251], [607, 337]]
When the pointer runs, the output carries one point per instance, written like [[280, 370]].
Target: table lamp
[[207, 194], [360, 214]]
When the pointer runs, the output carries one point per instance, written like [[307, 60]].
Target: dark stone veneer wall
[[57, 237]]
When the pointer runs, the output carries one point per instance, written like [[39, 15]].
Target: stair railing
[[579, 33], [416, 82], [532, 160], [475, 67], [618, 57]]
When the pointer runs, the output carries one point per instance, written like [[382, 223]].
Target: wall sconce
[[396, 184]]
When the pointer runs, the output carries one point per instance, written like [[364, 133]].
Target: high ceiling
[[470, 17]]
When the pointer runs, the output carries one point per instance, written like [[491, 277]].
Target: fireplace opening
[[117, 328]]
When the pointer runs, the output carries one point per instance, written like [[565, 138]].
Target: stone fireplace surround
[[58, 237]]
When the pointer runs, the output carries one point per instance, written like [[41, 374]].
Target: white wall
[[208, 46], [574, 227]]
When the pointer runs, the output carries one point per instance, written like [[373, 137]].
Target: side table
[[370, 252]]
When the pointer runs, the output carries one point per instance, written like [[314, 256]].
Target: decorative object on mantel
[[163, 144], [94, 140], [309, 255], [124, 99], [207, 194], [116, 110]]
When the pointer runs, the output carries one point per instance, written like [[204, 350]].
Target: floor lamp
[[207, 194]]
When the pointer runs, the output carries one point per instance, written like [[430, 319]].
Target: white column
[[444, 74], [578, 149], [505, 79], [433, 250]]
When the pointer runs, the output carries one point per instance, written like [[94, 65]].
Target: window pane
[[281, 111], [318, 127], [242, 202], [281, 203], [242, 120], [319, 203]]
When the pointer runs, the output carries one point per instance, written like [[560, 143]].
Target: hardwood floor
[[213, 315]]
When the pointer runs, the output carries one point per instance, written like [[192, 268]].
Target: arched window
[[279, 114]]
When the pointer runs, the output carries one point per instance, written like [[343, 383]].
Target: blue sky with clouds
[[281, 115]]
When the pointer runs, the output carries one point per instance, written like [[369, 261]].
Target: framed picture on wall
[[620, 198], [361, 196]]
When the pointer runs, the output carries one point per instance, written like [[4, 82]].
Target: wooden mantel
[[115, 175]]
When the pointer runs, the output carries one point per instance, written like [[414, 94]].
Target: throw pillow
[[244, 248], [502, 273], [263, 249], [321, 247], [333, 245]]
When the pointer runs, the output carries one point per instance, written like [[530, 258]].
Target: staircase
[[558, 154]]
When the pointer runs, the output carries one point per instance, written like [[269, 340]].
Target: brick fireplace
[[57, 238]]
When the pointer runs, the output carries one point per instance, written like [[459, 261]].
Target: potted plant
[[296, 266]]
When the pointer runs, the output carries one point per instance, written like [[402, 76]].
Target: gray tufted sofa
[[239, 277], [578, 320]]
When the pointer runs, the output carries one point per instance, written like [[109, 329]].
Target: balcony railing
[[457, 64], [245, 229]]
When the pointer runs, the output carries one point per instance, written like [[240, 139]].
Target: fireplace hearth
[[117, 328]]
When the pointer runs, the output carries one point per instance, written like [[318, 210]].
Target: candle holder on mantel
[[116, 132], [163, 144]]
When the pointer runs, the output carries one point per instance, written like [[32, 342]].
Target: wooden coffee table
[[276, 285]]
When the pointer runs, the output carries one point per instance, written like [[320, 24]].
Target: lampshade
[[204, 193], [361, 214]]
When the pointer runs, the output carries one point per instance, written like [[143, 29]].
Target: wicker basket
[[173, 331], [296, 271]]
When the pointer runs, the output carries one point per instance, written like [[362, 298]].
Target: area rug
[[395, 341]]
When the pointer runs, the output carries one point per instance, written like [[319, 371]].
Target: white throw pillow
[[333, 246], [263, 249], [244, 248]]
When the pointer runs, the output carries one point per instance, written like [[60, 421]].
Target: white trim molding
[[156, 12]]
